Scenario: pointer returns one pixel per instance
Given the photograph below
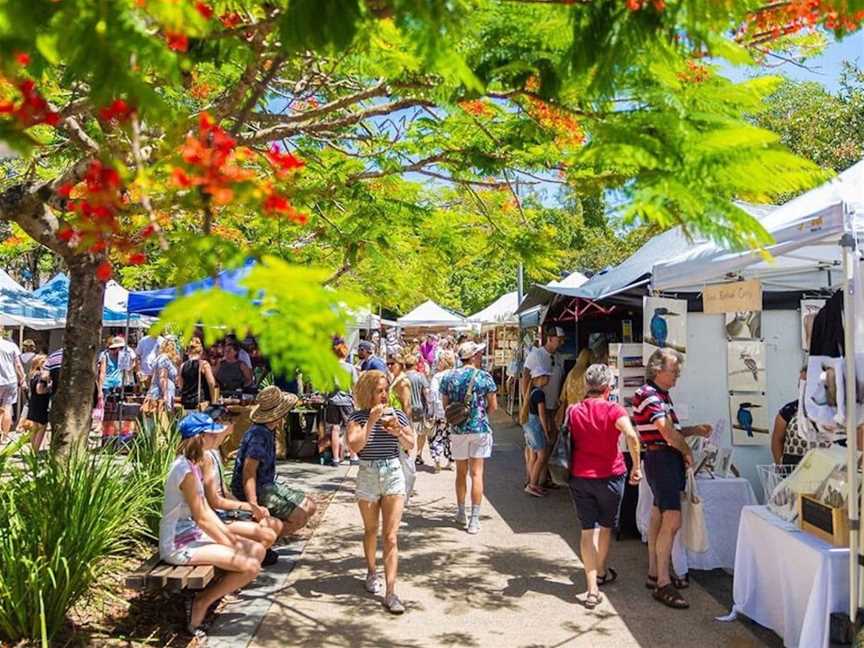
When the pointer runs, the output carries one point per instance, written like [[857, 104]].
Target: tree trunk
[[72, 405]]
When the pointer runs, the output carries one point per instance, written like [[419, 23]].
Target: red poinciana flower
[[230, 20], [137, 258], [177, 42], [204, 9], [284, 162], [33, 108], [23, 59], [104, 271], [117, 111]]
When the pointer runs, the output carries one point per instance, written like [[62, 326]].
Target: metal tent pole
[[850, 272]]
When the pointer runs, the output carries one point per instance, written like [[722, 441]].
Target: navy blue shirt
[[258, 443], [373, 362]]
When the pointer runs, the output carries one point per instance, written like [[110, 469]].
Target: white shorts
[[8, 395], [470, 446]]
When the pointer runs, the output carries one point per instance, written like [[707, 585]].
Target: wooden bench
[[157, 574]]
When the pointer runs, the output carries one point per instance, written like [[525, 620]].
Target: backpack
[[458, 412]]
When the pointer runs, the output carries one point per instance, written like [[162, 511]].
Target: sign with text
[[735, 297]]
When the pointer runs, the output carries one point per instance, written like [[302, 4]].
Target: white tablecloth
[[788, 580], [723, 500]]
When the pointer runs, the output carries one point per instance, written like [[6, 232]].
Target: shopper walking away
[[340, 405], [666, 457], [598, 472], [377, 432], [196, 381], [419, 386], [439, 444], [471, 440]]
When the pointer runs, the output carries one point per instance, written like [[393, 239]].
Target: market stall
[[55, 292], [429, 317], [500, 326], [816, 247]]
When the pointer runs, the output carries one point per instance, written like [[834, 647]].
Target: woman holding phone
[[375, 432]]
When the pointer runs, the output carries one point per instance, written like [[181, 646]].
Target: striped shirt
[[380, 444], [650, 403]]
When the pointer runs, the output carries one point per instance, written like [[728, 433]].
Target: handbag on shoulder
[[457, 413]]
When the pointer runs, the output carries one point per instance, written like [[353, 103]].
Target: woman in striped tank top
[[376, 431]]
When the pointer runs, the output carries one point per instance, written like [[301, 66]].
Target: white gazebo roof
[[430, 314], [501, 311]]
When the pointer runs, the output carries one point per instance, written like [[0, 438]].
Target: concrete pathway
[[514, 584]]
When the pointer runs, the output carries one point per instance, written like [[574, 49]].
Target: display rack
[[628, 372]]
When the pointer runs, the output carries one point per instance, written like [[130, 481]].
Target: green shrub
[[150, 458], [59, 519]]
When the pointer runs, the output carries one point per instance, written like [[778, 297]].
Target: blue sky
[[824, 69]]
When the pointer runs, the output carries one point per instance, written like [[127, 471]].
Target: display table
[[788, 580], [723, 499]]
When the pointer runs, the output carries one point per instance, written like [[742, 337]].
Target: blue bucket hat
[[198, 423]]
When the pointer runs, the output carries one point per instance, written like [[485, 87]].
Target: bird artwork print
[[751, 365], [745, 417], [659, 326]]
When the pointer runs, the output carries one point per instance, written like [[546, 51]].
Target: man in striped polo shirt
[[666, 457]]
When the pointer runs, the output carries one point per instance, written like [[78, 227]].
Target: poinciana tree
[[376, 139]]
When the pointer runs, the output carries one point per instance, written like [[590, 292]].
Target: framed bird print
[[746, 365], [750, 419], [664, 325], [744, 325]]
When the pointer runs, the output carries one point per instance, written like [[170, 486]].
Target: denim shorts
[[534, 435], [378, 478], [664, 471]]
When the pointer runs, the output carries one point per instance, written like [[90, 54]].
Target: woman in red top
[[598, 472]]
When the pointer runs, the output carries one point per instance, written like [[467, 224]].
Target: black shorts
[[598, 501], [337, 414], [664, 470]]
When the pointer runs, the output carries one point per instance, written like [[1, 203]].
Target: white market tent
[[430, 314], [540, 294], [501, 311], [816, 246]]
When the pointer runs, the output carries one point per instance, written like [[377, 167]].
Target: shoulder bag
[[458, 412], [562, 453]]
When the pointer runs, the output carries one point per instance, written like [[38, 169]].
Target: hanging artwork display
[[750, 419], [809, 309], [746, 365], [744, 325], [664, 325]]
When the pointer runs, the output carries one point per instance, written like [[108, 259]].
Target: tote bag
[[694, 535], [562, 453], [409, 469]]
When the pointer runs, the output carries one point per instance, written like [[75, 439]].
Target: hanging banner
[[735, 297]]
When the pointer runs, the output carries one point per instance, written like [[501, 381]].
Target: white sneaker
[[393, 604], [461, 518], [373, 584], [474, 526]]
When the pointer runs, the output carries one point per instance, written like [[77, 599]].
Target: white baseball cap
[[470, 349]]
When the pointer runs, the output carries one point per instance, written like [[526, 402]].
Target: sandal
[[670, 597], [197, 632], [608, 578], [680, 582], [651, 582], [593, 600]]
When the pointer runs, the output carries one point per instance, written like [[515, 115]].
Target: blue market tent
[[19, 307], [56, 293], [152, 302]]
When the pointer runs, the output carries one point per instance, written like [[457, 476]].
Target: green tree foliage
[[822, 126]]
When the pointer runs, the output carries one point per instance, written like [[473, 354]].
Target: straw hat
[[117, 343], [271, 405]]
